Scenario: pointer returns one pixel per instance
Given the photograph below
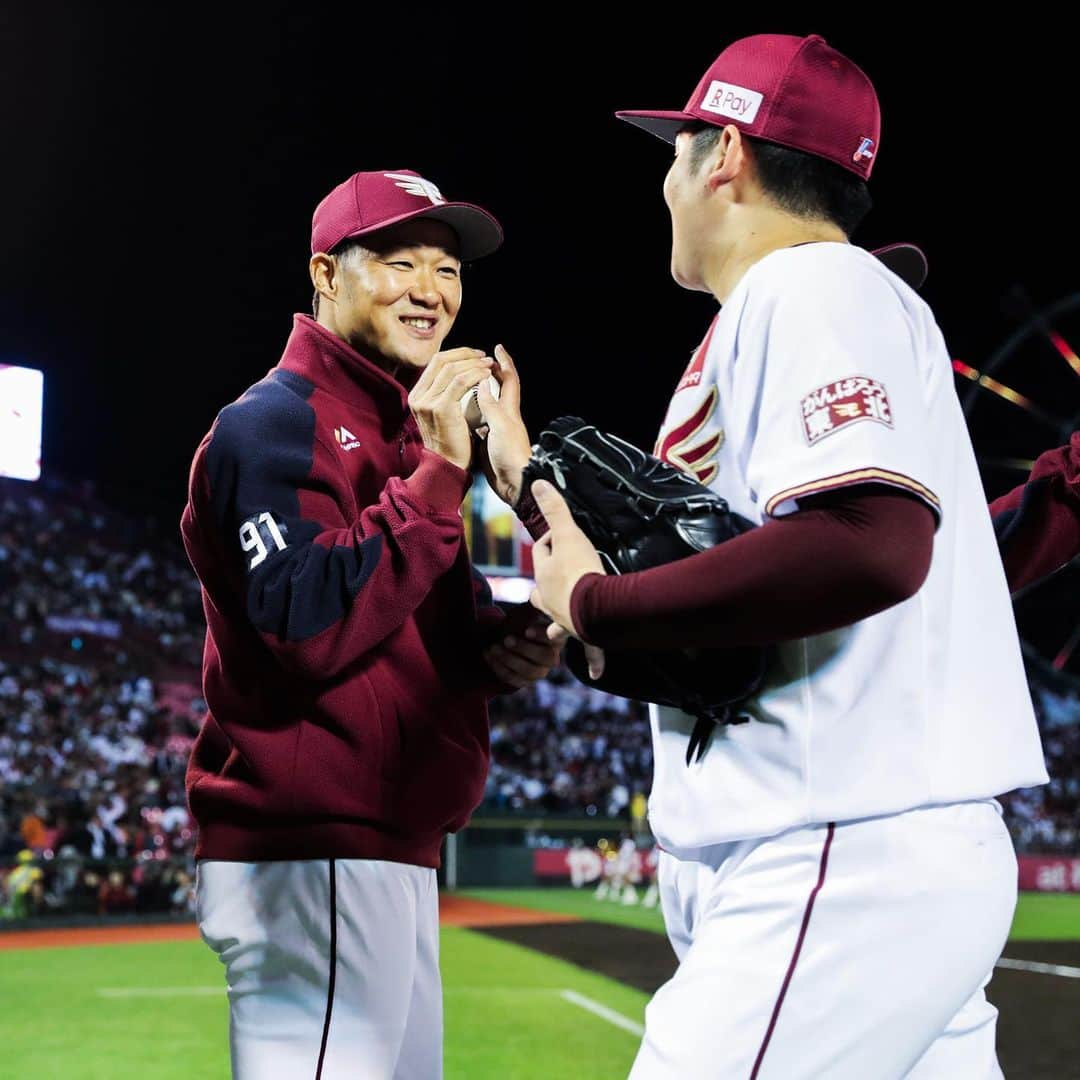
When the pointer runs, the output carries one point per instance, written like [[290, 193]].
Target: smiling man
[[347, 665]]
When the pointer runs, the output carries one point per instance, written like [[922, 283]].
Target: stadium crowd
[[100, 641], [561, 747], [73, 570]]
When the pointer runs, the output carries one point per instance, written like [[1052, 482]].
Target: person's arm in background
[[1038, 523]]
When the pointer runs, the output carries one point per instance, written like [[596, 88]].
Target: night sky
[[161, 169]]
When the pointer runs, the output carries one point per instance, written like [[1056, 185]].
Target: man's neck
[[397, 370], [768, 234]]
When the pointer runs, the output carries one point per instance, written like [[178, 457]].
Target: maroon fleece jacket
[[347, 697]]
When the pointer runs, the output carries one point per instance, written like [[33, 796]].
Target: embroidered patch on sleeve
[[830, 407]]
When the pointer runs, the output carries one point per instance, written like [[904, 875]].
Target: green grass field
[[580, 902], [1039, 916], [159, 1011]]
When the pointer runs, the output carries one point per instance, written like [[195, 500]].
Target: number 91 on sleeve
[[260, 535]]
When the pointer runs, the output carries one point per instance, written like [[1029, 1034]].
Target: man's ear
[[727, 159], [323, 270]]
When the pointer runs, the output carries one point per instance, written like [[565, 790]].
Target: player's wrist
[[510, 481]]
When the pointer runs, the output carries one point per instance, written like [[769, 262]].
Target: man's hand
[[519, 660], [506, 448], [435, 401], [594, 655], [561, 557]]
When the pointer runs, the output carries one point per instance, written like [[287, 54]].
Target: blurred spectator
[[183, 894], [25, 892], [32, 829], [115, 895]]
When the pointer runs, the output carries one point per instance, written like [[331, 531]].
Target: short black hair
[[341, 252], [347, 246], [800, 183]]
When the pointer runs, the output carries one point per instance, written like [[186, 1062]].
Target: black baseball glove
[[640, 512]]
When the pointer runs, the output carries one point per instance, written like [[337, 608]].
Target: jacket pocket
[[391, 740], [338, 756]]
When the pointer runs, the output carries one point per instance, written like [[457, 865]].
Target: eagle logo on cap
[[416, 185]]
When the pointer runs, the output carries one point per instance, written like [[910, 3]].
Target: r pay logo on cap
[[726, 99]]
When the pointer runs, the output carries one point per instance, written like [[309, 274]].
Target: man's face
[[400, 300], [684, 193]]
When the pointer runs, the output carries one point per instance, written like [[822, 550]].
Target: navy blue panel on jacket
[[259, 456]]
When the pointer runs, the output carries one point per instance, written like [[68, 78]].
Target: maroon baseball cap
[[794, 91], [369, 201], [906, 261]]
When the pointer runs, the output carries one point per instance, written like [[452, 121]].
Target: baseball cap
[[795, 91], [369, 201], [906, 261]]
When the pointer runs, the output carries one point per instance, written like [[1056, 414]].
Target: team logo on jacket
[[830, 407], [346, 439], [685, 448]]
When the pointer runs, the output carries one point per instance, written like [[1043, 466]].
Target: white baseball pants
[[332, 967], [855, 951]]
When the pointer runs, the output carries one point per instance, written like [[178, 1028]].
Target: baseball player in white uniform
[[836, 878]]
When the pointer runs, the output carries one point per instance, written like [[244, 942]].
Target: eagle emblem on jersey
[[828, 408], [683, 448]]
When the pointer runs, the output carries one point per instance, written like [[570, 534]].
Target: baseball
[[470, 406]]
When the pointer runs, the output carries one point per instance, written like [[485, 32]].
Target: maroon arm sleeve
[[838, 559], [529, 515], [1038, 523]]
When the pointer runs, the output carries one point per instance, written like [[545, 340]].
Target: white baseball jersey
[[824, 370]]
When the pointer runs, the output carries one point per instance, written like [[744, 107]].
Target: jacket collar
[[333, 365]]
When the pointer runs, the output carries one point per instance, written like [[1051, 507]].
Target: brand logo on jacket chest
[[346, 439]]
